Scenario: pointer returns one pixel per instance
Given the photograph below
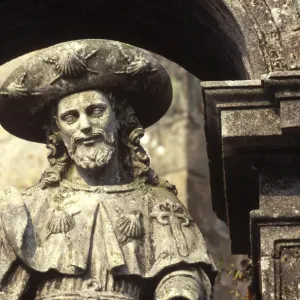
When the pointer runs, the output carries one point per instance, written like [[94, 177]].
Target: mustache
[[97, 133]]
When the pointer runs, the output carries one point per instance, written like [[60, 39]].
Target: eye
[[70, 119], [96, 112]]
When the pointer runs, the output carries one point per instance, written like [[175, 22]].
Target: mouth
[[88, 141]]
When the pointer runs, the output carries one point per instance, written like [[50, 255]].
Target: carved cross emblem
[[170, 213]]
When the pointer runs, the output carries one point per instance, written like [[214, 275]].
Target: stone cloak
[[24, 233]]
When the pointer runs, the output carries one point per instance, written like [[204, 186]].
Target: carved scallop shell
[[16, 90], [71, 64], [137, 66], [130, 225], [60, 222]]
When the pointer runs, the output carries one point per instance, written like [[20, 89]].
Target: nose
[[85, 125]]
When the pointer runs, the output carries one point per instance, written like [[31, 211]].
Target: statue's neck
[[110, 174]]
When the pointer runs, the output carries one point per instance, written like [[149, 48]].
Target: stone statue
[[100, 224]]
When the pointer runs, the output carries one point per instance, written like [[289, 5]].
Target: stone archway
[[201, 36]]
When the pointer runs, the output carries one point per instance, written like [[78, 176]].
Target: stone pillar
[[275, 232], [252, 130]]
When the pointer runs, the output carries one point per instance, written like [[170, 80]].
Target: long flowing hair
[[136, 162]]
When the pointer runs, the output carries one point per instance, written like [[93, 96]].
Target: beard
[[94, 156]]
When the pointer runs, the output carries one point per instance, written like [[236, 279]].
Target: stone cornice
[[245, 122]]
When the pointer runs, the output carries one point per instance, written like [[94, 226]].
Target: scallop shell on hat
[[131, 225], [16, 90], [71, 64], [60, 222]]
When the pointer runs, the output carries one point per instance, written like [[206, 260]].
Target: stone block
[[247, 122], [290, 115]]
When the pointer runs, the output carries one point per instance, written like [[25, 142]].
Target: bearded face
[[87, 126]]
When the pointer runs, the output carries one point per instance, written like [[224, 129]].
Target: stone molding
[[246, 123]]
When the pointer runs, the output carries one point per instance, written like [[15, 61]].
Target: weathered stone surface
[[95, 156], [248, 122], [256, 128], [243, 39], [290, 115], [193, 186], [270, 33]]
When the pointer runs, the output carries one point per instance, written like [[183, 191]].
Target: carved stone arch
[[271, 32], [202, 36]]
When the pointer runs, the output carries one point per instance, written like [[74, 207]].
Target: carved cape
[[145, 230]]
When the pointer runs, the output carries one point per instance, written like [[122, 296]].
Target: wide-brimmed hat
[[27, 94]]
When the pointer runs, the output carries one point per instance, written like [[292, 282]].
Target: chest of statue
[[65, 224], [90, 236], [104, 243]]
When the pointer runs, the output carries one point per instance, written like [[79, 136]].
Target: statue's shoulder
[[9, 196], [39, 191], [35, 189], [159, 194], [162, 191]]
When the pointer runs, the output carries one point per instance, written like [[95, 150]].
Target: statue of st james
[[100, 224]]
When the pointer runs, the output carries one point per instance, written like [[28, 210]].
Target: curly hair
[[136, 161]]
